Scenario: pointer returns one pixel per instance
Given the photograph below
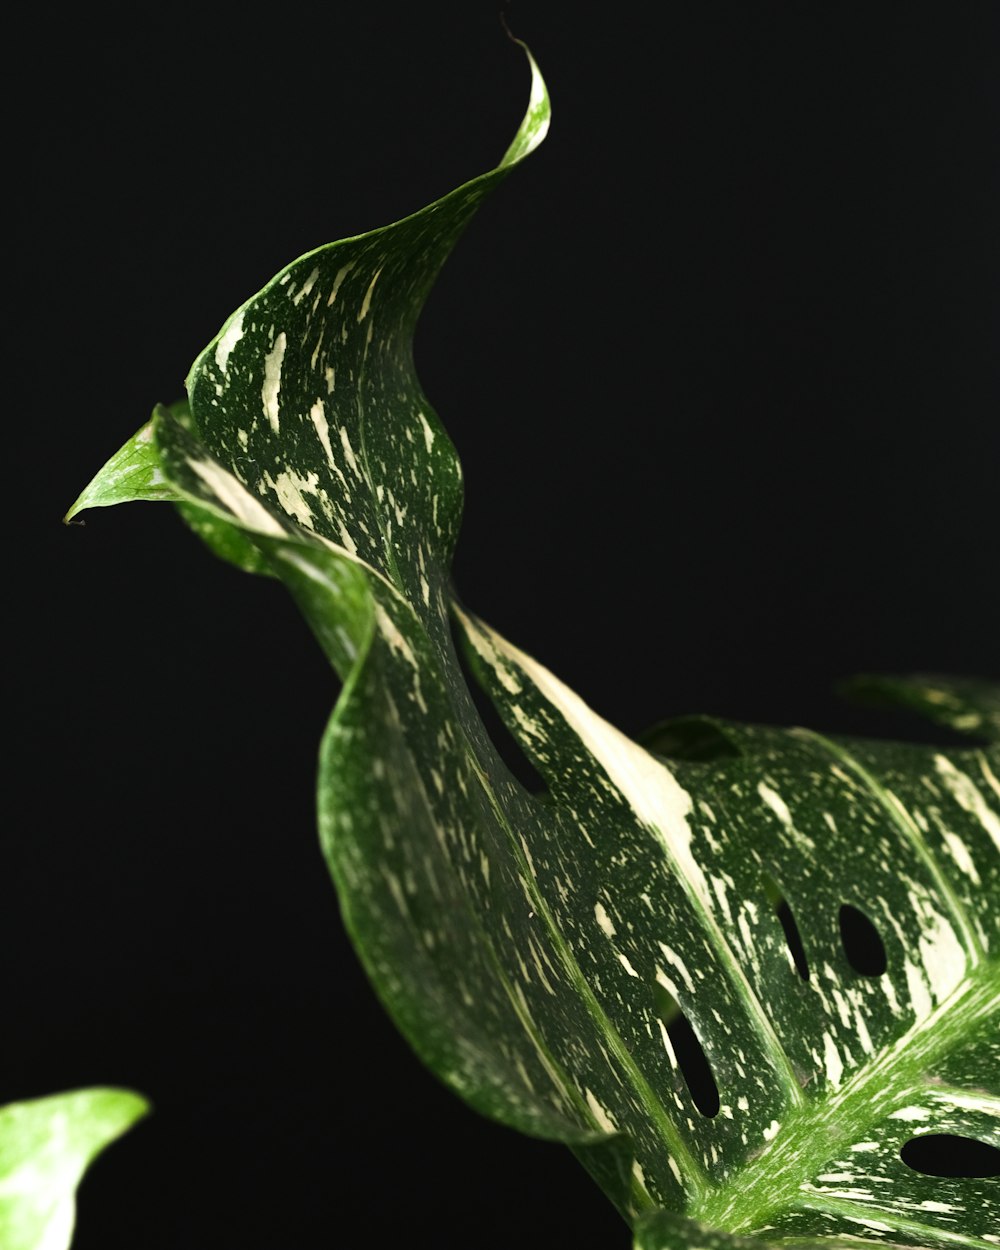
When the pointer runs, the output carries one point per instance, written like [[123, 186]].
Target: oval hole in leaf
[[691, 1058], [946, 1154], [792, 936], [693, 738], [863, 946], [504, 742]]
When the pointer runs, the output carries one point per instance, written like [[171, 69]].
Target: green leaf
[[540, 951], [964, 704], [134, 473], [46, 1146], [131, 473]]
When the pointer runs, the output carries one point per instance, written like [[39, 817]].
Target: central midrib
[[812, 1134]]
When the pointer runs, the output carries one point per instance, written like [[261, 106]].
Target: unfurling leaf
[[659, 960]]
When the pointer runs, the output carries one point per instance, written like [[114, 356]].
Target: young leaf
[[46, 1146], [653, 960], [133, 472]]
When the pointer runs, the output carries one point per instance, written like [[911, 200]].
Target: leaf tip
[[538, 117], [46, 1146]]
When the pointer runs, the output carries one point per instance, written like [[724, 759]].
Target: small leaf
[[46, 1146]]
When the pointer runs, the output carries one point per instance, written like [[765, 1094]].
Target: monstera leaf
[[45, 1147], [565, 960]]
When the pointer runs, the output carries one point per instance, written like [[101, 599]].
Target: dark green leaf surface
[[534, 949], [965, 705]]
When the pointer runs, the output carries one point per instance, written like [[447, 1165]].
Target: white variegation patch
[[271, 386]]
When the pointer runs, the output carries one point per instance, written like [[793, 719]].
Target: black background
[[720, 364]]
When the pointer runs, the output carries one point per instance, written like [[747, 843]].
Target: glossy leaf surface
[[541, 951]]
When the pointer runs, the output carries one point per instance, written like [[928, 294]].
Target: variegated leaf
[[539, 950], [46, 1146]]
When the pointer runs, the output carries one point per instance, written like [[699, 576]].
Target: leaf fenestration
[[525, 943]]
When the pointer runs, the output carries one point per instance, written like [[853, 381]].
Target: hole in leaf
[[792, 936], [504, 742], [691, 1058], [694, 738], [863, 947], [946, 1154]]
